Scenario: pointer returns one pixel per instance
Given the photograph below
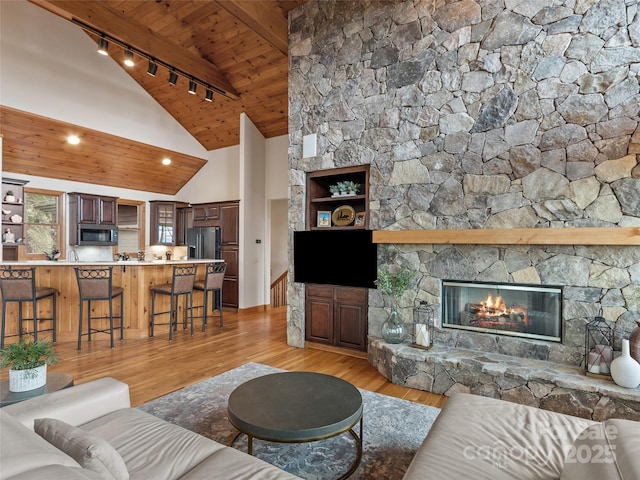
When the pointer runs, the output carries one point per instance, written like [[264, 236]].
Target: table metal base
[[357, 438]]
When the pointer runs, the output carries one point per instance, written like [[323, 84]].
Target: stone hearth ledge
[[547, 385]]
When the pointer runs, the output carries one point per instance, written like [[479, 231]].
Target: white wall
[[218, 180], [278, 238], [277, 167], [252, 214]]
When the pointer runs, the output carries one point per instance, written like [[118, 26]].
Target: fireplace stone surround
[[523, 370]]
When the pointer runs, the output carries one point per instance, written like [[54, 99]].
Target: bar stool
[[19, 285], [96, 284], [182, 282], [213, 281]]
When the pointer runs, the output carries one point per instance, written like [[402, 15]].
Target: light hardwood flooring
[[153, 367]]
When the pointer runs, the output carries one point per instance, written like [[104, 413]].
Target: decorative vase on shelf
[[394, 329], [634, 343], [625, 371]]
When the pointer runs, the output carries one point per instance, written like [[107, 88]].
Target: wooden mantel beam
[[515, 236]]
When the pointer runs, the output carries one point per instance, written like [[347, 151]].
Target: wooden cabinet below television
[[337, 315]]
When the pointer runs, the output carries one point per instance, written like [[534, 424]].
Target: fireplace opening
[[530, 311]]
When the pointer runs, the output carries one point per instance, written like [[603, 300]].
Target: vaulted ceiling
[[239, 47]]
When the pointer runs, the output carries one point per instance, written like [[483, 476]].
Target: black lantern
[[422, 335], [598, 347]]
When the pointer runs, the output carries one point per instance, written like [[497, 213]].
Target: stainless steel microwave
[[97, 235]]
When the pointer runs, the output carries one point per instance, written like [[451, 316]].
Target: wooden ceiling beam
[[263, 18], [111, 22]]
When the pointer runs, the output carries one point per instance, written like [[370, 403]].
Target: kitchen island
[[135, 277]]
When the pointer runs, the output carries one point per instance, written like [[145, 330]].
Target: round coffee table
[[296, 407], [55, 382]]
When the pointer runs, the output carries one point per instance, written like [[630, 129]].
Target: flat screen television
[[335, 257]]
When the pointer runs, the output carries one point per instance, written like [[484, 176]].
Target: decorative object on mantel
[[422, 325], [598, 347], [27, 362], [625, 371], [634, 343], [393, 285]]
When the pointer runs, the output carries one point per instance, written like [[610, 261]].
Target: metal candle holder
[[422, 334], [598, 347]]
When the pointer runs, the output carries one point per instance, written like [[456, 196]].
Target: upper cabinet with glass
[[163, 223]]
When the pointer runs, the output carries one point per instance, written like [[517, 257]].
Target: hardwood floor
[[153, 367]]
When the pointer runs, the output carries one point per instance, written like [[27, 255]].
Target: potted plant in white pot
[[27, 362], [393, 284], [9, 197]]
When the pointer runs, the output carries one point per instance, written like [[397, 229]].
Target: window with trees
[[44, 221]]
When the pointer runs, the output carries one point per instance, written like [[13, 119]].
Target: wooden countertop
[[132, 263]]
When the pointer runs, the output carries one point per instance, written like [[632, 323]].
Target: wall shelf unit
[[320, 198], [12, 208]]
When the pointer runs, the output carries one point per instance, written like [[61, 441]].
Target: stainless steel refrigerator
[[204, 242]]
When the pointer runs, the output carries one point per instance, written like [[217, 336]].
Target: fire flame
[[496, 307], [496, 304]]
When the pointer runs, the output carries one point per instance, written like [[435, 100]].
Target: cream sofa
[[114, 442], [482, 438]]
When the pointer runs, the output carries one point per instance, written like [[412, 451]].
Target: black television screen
[[335, 257]]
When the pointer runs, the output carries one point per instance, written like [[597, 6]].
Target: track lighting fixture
[[103, 46], [128, 58], [153, 68]]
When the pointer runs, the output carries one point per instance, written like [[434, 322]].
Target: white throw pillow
[[89, 450]]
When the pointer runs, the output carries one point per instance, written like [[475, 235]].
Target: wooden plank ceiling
[[236, 46]]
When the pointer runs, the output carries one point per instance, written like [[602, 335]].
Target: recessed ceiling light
[[73, 139], [166, 161]]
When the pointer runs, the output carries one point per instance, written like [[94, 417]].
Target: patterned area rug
[[393, 429]]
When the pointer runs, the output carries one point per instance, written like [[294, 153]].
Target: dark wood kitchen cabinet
[[206, 215], [336, 315], [225, 215], [87, 209]]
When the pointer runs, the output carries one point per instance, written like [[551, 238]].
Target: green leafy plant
[[351, 186], [25, 354], [9, 193], [394, 283], [334, 189]]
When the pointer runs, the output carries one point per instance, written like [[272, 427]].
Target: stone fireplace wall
[[479, 114]]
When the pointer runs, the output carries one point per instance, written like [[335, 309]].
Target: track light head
[[103, 46], [209, 95], [173, 78], [192, 87], [128, 58], [153, 68]]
